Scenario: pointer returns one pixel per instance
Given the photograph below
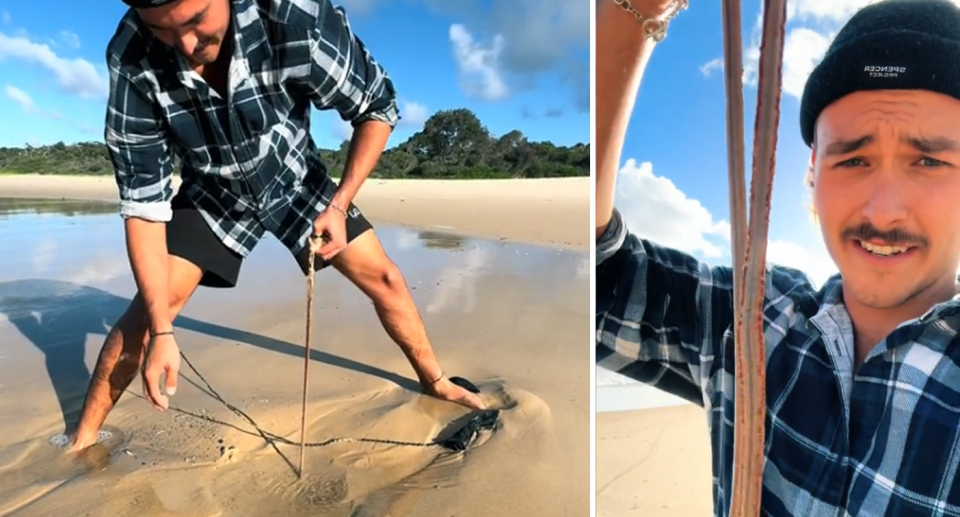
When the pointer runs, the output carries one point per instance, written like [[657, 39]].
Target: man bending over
[[226, 86]]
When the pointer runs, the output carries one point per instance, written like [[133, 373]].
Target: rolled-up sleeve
[[136, 141], [343, 74]]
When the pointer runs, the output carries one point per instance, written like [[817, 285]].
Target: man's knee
[[367, 265], [388, 277]]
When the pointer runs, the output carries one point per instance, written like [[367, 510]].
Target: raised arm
[[623, 51]]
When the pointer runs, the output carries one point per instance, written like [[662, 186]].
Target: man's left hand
[[331, 225], [446, 390]]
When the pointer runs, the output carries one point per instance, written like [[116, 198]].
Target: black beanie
[[889, 45], [146, 4]]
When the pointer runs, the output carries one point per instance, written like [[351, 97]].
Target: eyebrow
[[933, 145], [924, 145], [196, 18], [840, 147]]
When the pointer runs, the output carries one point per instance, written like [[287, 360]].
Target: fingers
[[473, 401], [151, 387], [331, 248], [173, 372]]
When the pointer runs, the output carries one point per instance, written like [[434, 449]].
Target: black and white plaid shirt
[[881, 441], [248, 161]]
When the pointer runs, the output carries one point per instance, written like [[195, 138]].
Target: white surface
[[618, 393]]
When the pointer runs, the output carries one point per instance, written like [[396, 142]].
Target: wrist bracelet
[[338, 208], [653, 27], [164, 333]]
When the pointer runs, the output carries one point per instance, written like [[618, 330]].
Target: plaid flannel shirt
[[248, 161], [881, 441]]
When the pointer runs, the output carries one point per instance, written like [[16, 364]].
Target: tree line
[[453, 144]]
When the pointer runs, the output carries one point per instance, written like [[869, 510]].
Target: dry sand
[[553, 211], [653, 463], [519, 335]]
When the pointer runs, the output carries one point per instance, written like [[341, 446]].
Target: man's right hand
[[163, 357], [622, 53]]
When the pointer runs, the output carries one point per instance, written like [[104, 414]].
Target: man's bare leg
[[365, 263], [122, 353]]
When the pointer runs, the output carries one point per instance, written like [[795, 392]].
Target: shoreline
[[553, 212]]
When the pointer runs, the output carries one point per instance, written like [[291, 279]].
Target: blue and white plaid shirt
[[883, 441], [248, 161]]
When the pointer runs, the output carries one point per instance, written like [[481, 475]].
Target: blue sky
[[672, 186], [519, 64]]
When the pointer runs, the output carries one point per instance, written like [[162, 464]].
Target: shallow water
[[496, 312]]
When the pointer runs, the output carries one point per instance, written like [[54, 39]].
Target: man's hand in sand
[[446, 390], [163, 357]]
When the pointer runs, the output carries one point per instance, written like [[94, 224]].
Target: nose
[[188, 43], [886, 206]]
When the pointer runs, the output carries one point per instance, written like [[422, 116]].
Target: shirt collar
[[832, 306]]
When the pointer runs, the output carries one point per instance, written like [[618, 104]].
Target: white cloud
[[20, 97], [655, 208], [70, 39], [77, 76], [413, 114], [811, 26], [802, 50], [837, 11], [458, 291], [341, 130], [708, 68], [540, 33], [479, 64], [27, 104], [816, 262]]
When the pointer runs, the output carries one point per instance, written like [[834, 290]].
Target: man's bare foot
[[81, 441], [446, 390]]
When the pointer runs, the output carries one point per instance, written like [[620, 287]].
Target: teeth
[[882, 250]]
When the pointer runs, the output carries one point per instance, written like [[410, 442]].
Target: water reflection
[[10, 207], [63, 279], [440, 241]]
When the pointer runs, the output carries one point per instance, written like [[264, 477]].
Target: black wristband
[[164, 333]]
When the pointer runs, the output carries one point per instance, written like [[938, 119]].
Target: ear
[[808, 181]]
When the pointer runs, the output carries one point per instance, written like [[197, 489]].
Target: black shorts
[[190, 238]]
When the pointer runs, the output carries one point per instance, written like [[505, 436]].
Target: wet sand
[[554, 211], [510, 317], [654, 463]]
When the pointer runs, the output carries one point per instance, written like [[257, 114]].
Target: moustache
[[894, 236], [203, 45]]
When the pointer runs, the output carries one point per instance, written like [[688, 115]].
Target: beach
[[653, 452], [552, 211], [653, 463], [499, 270]]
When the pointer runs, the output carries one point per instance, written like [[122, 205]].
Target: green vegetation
[[453, 144]]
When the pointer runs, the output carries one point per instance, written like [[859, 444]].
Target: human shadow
[[57, 316]]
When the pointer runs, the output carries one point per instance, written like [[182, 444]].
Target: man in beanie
[[226, 87], [862, 375]]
